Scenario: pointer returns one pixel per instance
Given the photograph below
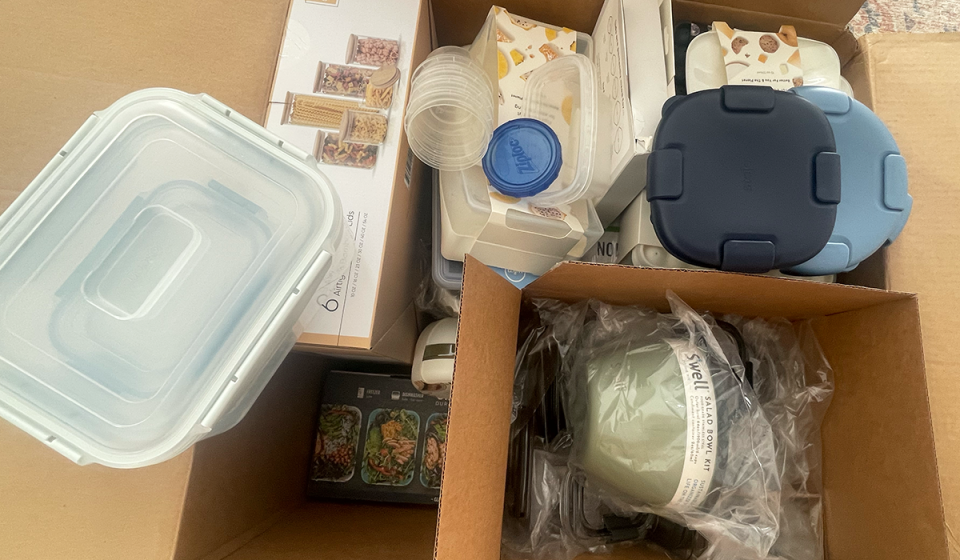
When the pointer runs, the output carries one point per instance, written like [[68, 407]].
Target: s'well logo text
[[520, 159]]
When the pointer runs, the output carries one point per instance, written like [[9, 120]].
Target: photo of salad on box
[[434, 451], [378, 439], [391, 443], [338, 435]]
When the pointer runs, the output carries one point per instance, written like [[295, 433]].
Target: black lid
[[743, 178]]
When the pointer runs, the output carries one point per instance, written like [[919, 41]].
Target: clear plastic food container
[[705, 68], [516, 240], [563, 94], [338, 79], [372, 51], [363, 127], [152, 276]]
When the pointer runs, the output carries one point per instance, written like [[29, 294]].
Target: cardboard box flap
[[837, 12], [719, 292], [914, 81], [876, 429], [475, 470]]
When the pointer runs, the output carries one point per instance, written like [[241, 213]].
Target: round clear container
[[450, 115], [152, 277], [705, 68], [563, 93], [363, 127]]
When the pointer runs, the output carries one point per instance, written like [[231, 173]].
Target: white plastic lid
[[705, 68], [563, 94], [150, 272]]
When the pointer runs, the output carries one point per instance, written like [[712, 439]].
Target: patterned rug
[[916, 16]]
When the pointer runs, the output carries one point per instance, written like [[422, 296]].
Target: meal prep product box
[[241, 495], [378, 439], [339, 92]]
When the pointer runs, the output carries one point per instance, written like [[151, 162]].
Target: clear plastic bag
[[794, 385], [636, 384]]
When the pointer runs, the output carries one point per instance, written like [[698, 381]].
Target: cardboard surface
[[881, 493], [471, 496], [914, 82], [55, 509], [325, 531], [720, 292], [243, 477], [837, 12], [61, 62]]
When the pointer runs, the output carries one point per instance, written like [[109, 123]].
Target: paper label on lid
[[701, 449], [761, 59], [523, 46]]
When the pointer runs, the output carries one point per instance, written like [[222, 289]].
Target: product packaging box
[[890, 459], [378, 439], [339, 92]]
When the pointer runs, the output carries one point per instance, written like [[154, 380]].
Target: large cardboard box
[[240, 495]]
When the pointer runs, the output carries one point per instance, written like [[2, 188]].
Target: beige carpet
[[915, 16]]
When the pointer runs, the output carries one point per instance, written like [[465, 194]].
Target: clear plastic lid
[[149, 273], [563, 94]]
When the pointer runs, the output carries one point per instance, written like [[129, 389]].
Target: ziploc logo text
[[520, 159]]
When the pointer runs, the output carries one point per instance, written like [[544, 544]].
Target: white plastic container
[[152, 276], [488, 226], [705, 68], [641, 247]]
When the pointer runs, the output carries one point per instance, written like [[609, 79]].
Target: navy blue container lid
[[523, 159], [743, 178]]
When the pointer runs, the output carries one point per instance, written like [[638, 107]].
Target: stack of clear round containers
[[451, 113]]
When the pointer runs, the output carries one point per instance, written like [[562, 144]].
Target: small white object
[[152, 276], [706, 70], [639, 245], [434, 358], [563, 93]]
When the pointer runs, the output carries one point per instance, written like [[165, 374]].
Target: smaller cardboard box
[[327, 57], [378, 439]]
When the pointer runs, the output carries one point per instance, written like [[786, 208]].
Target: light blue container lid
[[874, 203]]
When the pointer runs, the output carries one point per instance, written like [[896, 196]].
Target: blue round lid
[[523, 158], [875, 203]]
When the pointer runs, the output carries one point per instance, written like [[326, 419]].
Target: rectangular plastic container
[[449, 274], [152, 276]]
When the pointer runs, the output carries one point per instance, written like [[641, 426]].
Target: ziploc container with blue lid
[[152, 277], [563, 94]]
